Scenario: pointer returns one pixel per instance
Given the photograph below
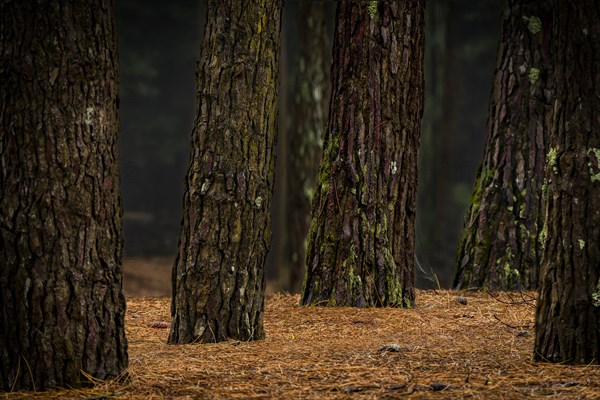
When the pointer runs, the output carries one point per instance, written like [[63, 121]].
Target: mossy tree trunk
[[306, 118], [218, 277], [61, 305], [361, 240], [568, 313], [499, 248]]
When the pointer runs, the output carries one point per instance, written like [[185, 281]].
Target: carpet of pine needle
[[440, 349]]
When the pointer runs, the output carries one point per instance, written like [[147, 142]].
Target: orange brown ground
[[481, 350], [147, 276]]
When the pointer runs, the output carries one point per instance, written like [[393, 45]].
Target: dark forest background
[[159, 44]]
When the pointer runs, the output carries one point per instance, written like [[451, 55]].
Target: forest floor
[[147, 276], [440, 349]]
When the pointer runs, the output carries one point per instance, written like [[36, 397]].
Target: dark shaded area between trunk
[[307, 103]]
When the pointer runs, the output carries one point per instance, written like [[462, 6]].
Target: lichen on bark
[[218, 276], [361, 240], [500, 244], [567, 320]]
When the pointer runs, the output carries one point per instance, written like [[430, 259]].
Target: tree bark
[[218, 277], [61, 306], [361, 240], [307, 117], [499, 248], [568, 313]]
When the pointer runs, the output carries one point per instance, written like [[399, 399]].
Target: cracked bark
[[218, 276], [499, 248], [568, 313], [61, 305], [361, 240]]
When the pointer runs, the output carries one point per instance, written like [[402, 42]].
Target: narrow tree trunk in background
[[568, 314], [461, 43], [61, 306], [499, 248], [218, 277], [305, 122], [437, 23], [447, 144], [361, 240]]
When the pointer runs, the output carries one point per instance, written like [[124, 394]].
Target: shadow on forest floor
[[440, 349]]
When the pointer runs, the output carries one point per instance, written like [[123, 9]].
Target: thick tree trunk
[[499, 248], [307, 117], [568, 314], [61, 305], [361, 240], [218, 277]]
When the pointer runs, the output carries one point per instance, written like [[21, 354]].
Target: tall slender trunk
[[499, 248], [461, 42], [361, 240], [307, 117], [61, 306], [218, 277]]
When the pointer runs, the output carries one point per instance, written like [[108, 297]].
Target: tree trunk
[[499, 248], [568, 314], [361, 240], [218, 277], [307, 116], [61, 306]]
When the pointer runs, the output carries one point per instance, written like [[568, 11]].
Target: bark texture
[[499, 248], [61, 305], [568, 314], [218, 277], [361, 240], [309, 96]]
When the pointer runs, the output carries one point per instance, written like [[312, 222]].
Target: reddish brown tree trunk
[[568, 314], [499, 248], [218, 277], [61, 306], [361, 240]]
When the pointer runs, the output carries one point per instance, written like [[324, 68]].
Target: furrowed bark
[[361, 240], [218, 277], [61, 306], [568, 313], [499, 248]]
